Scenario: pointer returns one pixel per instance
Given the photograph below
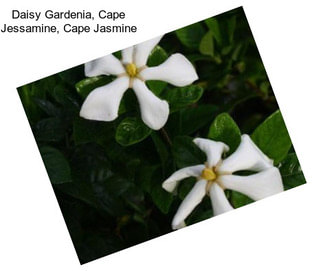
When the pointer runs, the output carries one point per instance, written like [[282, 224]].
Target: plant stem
[[166, 136]]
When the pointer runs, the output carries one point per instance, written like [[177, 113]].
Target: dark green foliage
[[224, 129], [57, 167], [85, 86], [179, 98], [186, 153], [107, 176], [272, 137], [191, 35], [237, 199], [131, 131], [291, 171]]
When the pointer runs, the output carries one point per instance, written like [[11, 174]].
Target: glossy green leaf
[[28, 93], [191, 35], [182, 97], [161, 198], [214, 27], [186, 153], [224, 129], [199, 215], [56, 165], [272, 137], [49, 129], [65, 97], [161, 148], [207, 44], [129, 102], [157, 57], [223, 30], [238, 200], [291, 171], [72, 76], [85, 86], [131, 131], [194, 118], [185, 186], [48, 107]]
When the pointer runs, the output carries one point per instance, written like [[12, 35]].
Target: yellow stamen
[[208, 174], [131, 69]]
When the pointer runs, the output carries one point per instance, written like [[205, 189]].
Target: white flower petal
[[193, 198], [176, 70], [255, 186], [247, 157], [220, 203], [105, 65], [103, 102], [127, 55], [154, 111], [171, 183], [142, 51], [213, 150]]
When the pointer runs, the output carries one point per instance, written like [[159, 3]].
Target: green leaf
[[27, 94], [231, 25], [128, 102], [85, 86], [56, 165], [161, 148], [272, 137], [199, 215], [223, 31], [185, 187], [161, 198], [291, 171], [191, 35], [131, 131], [73, 75], [50, 130], [156, 86], [214, 27], [238, 200], [118, 54], [224, 129], [117, 185], [48, 107], [62, 95], [85, 131], [65, 97], [157, 56], [192, 119], [186, 153], [207, 45], [182, 97], [146, 177]]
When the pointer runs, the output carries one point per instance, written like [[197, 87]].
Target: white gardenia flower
[[103, 102], [218, 174]]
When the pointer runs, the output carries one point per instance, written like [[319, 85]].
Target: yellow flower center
[[208, 174], [131, 69]]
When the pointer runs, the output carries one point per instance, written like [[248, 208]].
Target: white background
[[283, 232]]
